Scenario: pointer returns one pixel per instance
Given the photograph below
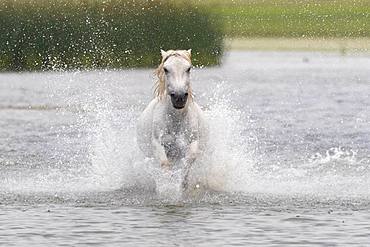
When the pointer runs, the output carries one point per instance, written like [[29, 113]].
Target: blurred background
[[87, 34]]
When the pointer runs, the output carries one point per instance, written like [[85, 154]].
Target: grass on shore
[[292, 18], [74, 34]]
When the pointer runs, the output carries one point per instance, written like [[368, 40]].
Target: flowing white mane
[[159, 86]]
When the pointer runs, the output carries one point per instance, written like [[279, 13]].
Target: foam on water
[[338, 173]]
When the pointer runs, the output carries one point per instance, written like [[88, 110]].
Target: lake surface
[[290, 162]]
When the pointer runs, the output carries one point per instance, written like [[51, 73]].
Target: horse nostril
[[172, 95], [186, 95]]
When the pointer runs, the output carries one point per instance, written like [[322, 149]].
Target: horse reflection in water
[[172, 128]]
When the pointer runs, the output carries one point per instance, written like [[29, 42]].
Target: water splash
[[95, 150], [230, 156]]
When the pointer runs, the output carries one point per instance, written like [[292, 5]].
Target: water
[[291, 137]]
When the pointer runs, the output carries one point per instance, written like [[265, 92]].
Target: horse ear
[[163, 53], [189, 51]]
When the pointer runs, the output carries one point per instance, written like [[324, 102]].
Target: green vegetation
[[292, 18], [75, 34]]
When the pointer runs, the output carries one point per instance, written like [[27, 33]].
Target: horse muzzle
[[179, 100]]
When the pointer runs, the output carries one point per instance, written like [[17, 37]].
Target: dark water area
[[291, 132]]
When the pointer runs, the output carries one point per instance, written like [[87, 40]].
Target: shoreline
[[343, 45]]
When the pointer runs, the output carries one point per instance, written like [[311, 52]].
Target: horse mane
[[159, 85]]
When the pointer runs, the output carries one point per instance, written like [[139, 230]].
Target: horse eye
[[188, 70], [165, 70]]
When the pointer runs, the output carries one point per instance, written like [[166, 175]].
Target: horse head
[[174, 77]]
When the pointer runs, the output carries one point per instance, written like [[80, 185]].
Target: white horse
[[172, 128]]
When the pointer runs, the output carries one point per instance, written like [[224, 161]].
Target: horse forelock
[[159, 86]]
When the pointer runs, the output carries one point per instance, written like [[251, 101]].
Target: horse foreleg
[[192, 153], [160, 153], [190, 157]]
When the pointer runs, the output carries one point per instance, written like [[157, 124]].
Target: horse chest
[[176, 139]]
